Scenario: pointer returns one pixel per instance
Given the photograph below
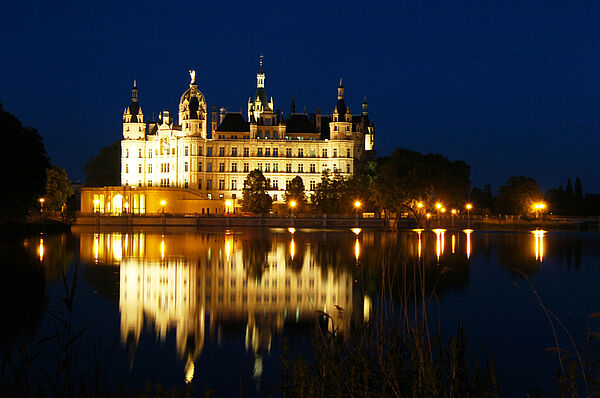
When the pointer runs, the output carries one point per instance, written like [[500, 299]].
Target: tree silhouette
[[104, 169]]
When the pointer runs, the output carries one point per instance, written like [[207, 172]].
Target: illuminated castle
[[184, 155]]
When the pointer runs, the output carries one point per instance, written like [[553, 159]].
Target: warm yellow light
[[96, 202], [453, 211], [428, 215], [356, 230], [356, 249], [228, 203], [469, 206], [126, 205], [438, 205], [42, 200], [293, 204], [292, 248], [291, 230], [443, 209], [468, 233], [41, 249], [420, 204], [163, 203], [357, 204]]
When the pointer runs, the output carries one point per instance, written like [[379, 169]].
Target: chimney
[[318, 120], [222, 116], [214, 118]]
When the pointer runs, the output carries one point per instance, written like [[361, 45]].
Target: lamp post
[[162, 204], [453, 211], [469, 207], [357, 207], [41, 200], [228, 207], [438, 206], [292, 206]]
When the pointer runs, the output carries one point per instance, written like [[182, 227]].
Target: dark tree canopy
[[331, 194], [295, 192], [58, 188], [518, 196], [255, 196], [23, 154], [104, 169], [408, 177]]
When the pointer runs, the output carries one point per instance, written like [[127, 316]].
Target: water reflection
[[196, 284], [539, 244]]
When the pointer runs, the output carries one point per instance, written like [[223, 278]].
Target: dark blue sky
[[512, 88]]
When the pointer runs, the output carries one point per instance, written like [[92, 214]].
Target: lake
[[214, 308]]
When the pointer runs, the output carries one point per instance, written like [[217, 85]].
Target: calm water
[[213, 307]]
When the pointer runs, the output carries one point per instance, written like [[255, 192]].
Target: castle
[[202, 166]]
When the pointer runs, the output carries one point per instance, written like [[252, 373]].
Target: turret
[[134, 127], [259, 103], [192, 110]]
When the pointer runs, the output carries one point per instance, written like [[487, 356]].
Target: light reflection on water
[[192, 285]]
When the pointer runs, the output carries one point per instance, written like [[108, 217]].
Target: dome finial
[[341, 82], [192, 76]]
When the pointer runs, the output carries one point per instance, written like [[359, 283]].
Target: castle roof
[[234, 122]]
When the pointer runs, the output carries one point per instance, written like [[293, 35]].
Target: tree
[[104, 169], [58, 188], [330, 194], [518, 196], [255, 196], [408, 177], [482, 200], [295, 192], [24, 161]]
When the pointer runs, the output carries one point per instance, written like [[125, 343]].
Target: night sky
[[512, 88]]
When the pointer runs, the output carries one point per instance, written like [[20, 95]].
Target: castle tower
[[259, 104], [192, 110], [134, 127], [340, 127]]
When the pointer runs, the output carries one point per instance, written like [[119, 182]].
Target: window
[[126, 168], [275, 167], [209, 151], [312, 152], [312, 167], [274, 197], [150, 153], [259, 152], [288, 152], [324, 152], [140, 153], [259, 134], [246, 167], [140, 168], [276, 135], [276, 152], [199, 166], [287, 184], [233, 151], [186, 166], [149, 183], [324, 167], [313, 185], [259, 166], [288, 167], [268, 167], [172, 151], [185, 184], [335, 128], [233, 185], [126, 153], [335, 153], [222, 151], [209, 183], [267, 151], [348, 168], [275, 184], [234, 167], [246, 152], [150, 168], [221, 184], [348, 152], [300, 152], [186, 151], [199, 151], [200, 185], [267, 134], [301, 168], [209, 167], [221, 167]]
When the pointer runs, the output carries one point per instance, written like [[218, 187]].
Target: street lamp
[[453, 211], [163, 203], [469, 207], [539, 207], [227, 206], [438, 206], [292, 206], [42, 200]]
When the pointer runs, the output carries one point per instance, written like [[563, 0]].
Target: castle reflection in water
[[195, 283]]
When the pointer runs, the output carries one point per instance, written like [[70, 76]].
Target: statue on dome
[[193, 76]]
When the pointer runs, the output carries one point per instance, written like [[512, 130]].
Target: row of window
[[260, 152], [165, 167]]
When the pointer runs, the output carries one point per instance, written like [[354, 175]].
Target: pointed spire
[[260, 70], [365, 107], [134, 92], [260, 76], [341, 91], [293, 106]]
